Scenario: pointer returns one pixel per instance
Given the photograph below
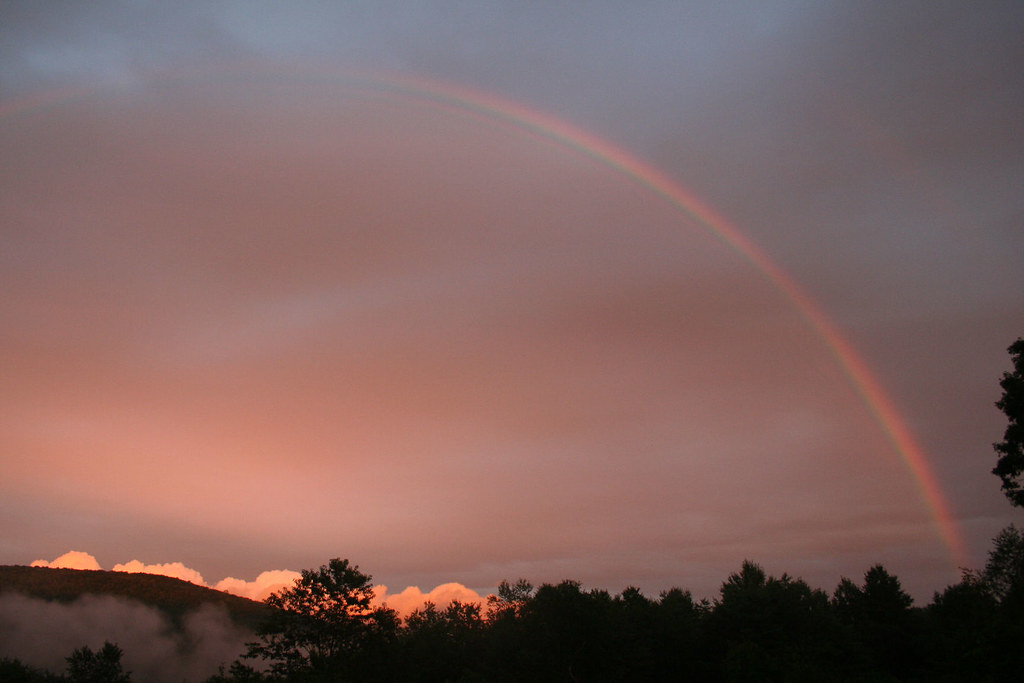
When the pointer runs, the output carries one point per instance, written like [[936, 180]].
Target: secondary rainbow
[[566, 135]]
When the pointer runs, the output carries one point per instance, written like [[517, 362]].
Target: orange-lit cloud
[[74, 559], [404, 602], [176, 570], [77, 559], [412, 598], [260, 589]]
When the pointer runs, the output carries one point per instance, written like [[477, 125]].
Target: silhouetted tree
[[880, 622], [1004, 575], [635, 621], [978, 624], [569, 634], [681, 649], [441, 645], [963, 629], [1010, 466], [102, 666], [510, 599], [324, 627], [504, 645], [14, 671], [1004, 572], [770, 629], [237, 673]]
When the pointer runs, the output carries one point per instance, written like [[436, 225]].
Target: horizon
[[404, 601]]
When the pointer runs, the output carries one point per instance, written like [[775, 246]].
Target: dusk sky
[[469, 291]]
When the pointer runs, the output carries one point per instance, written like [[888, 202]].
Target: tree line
[[759, 628]]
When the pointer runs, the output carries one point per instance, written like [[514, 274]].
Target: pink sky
[[261, 315]]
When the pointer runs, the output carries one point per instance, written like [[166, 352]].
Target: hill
[[172, 596]]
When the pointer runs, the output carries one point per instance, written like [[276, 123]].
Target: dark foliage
[[13, 671], [766, 628], [324, 628], [1010, 466], [83, 666], [440, 645], [980, 621], [880, 628], [102, 666]]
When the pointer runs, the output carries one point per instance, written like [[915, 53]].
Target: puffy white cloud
[[74, 559], [404, 602], [175, 570], [266, 583], [412, 598]]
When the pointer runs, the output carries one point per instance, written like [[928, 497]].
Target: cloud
[[74, 559], [176, 570], [413, 598], [260, 589], [77, 559], [404, 602]]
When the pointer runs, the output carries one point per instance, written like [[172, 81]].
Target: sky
[[472, 291]]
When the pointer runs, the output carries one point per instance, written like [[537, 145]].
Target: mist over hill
[[169, 629]]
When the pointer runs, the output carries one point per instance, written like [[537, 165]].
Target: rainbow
[[565, 135]]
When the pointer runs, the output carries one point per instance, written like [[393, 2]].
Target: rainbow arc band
[[565, 135]]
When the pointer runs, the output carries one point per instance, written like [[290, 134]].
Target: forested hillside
[[173, 596]]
